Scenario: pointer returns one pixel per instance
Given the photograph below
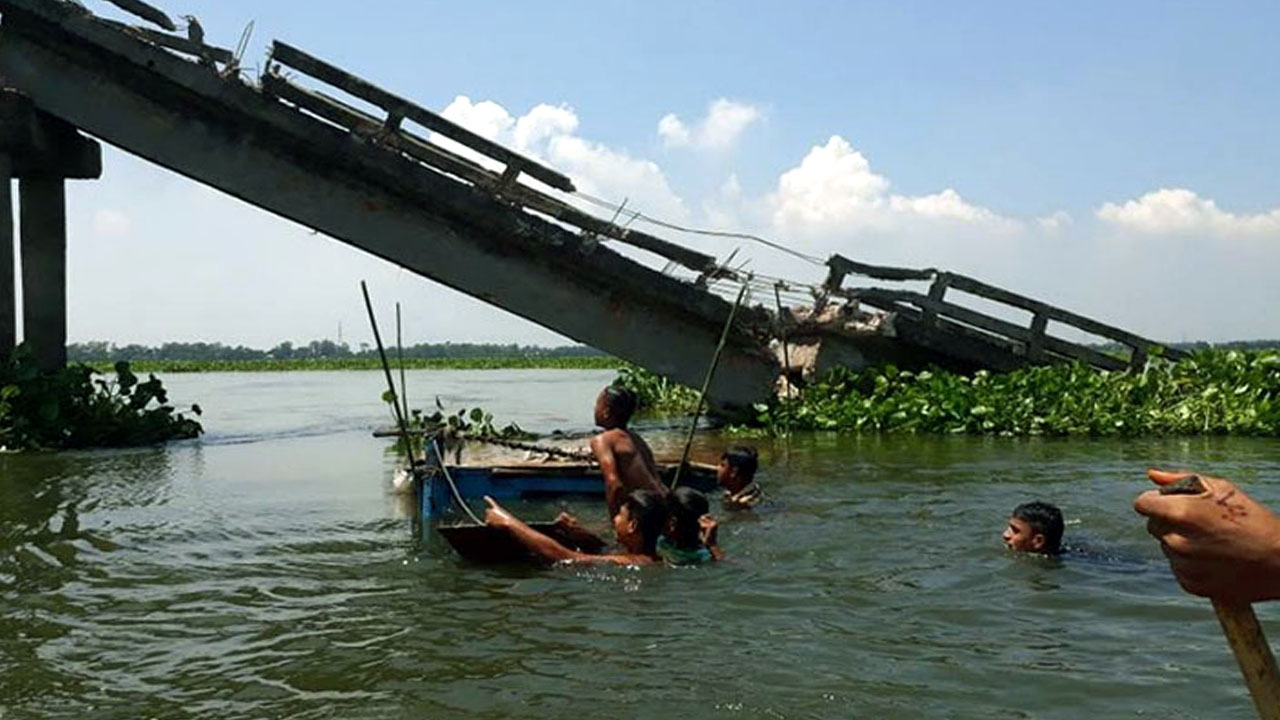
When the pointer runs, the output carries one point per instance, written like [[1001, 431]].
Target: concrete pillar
[[43, 223], [8, 289]]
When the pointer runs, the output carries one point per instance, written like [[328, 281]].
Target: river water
[[266, 571]]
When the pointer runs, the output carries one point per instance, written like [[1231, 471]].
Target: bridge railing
[[388, 131], [933, 310]]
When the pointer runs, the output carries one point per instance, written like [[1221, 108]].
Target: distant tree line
[[100, 351], [1200, 345]]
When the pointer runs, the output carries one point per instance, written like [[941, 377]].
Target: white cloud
[[1055, 222], [548, 133], [834, 192], [1178, 211], [109, 223], [719, 130]]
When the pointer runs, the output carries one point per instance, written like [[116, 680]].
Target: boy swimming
[[1034, 527], [736, 474], [690, 537], [626, 462]]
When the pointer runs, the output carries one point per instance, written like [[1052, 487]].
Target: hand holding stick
[[1225, 546]]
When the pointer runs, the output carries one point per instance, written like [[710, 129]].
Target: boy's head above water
[[737, 467], [640, 521], [685, 508], [1034, 527], [614, 406]]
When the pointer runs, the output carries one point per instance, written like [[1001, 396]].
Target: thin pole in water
[[706, 384], [404, 392], [386, 370], [782, 337]]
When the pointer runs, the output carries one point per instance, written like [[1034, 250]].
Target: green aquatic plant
[[1214, 392], [78, 407], [473, 423], [655, 394], [453, 428]]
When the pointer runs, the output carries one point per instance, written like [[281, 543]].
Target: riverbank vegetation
[[514, 362], [79, 407], [329, 355], [1215, 392], [655, 394]]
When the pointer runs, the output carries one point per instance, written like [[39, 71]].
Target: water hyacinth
[[1213, 393], [655, 394]]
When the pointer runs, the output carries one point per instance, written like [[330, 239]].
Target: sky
[[1116, 159]]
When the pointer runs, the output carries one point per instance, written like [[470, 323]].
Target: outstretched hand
[[1220, 543], [568, 521], [495, 515]]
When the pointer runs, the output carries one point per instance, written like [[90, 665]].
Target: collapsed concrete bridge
[[511, 237]]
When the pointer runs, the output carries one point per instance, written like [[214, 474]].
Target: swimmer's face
[[1022, 537], [724, 473], [602, 411], [627, 530]]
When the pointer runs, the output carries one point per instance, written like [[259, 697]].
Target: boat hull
[[528, 481]]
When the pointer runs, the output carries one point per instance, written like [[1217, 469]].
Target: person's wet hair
[[649, 512], [1044, 519], [687, 506], [743, 459], [621, 402]]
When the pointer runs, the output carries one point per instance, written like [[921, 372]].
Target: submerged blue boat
[[526, 481]]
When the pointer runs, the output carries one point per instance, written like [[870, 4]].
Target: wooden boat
[[435, 483], [527, 481]]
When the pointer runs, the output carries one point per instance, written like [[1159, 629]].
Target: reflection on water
[[266, 572]]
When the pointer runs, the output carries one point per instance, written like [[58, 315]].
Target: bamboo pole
[[404, 392], [386, 370], [1244, 633], [1253, 654], [706, 384], [782, 337]]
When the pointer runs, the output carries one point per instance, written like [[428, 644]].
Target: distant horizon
[[362, 346]]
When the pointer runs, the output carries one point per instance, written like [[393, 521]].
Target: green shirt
[[673, 555]]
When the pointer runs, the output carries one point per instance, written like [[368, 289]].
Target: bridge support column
[[43, 224], [41, 152], [8, 289]]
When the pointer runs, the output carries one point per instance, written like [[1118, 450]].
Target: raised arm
[[543, 547], [540, 545], [708, 532]]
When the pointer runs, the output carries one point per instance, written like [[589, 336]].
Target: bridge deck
[[453, 217]]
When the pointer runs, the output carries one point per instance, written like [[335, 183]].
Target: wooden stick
[[386, 369], [782, 337], [404, 392], [1244, 633], [1249, 644], [706, 384]]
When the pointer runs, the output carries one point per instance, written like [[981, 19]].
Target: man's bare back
[[625, 458], [627, 465]]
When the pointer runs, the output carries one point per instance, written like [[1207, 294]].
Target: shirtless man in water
[[625, 459]]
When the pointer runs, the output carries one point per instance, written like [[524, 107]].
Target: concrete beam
[[8, 288], [225, 134], [43, 225], [41, 145]]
